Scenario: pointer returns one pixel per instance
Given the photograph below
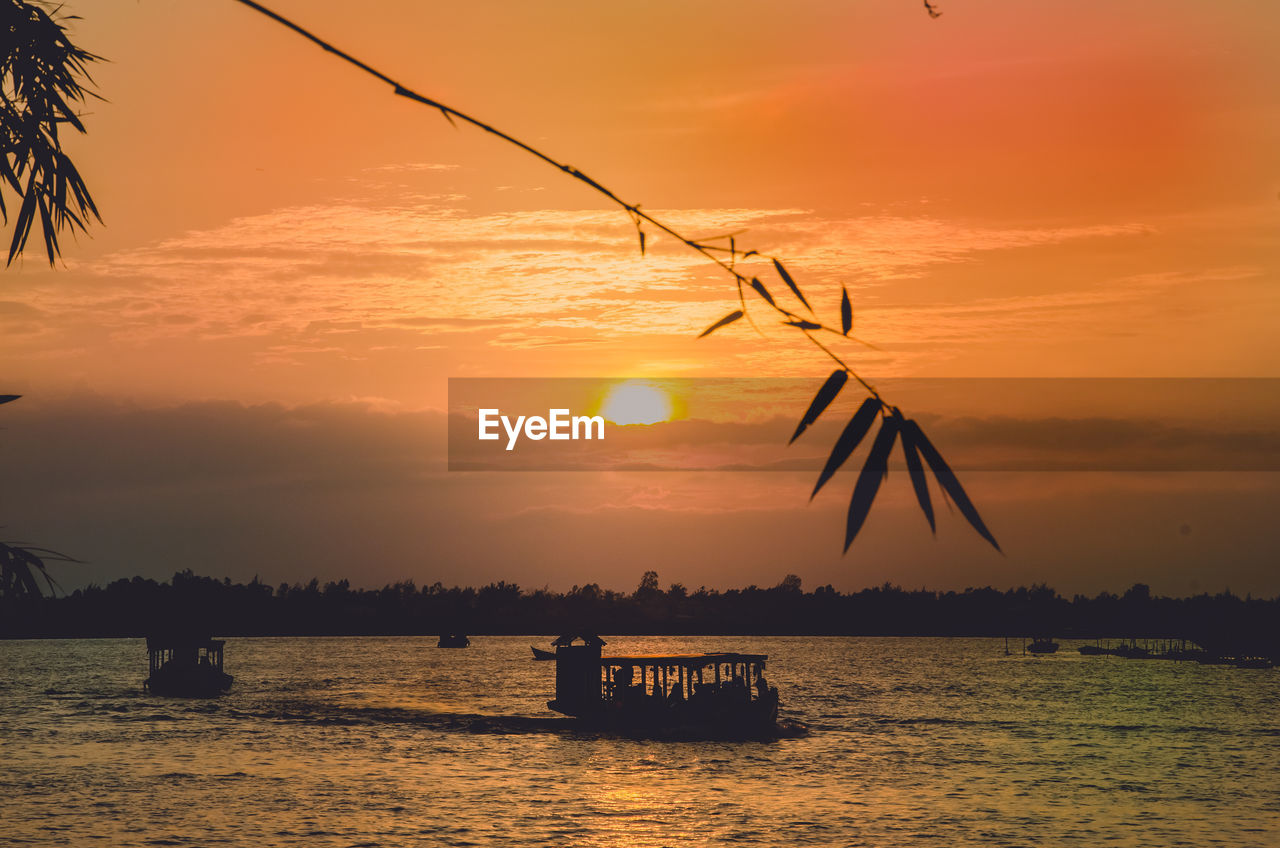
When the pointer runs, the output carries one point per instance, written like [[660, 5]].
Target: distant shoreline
[[1223, 624], [539, 638]]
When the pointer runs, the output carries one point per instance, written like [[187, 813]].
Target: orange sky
[[1014, 189]]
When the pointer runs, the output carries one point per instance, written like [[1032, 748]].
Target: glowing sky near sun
[[1015, 189]]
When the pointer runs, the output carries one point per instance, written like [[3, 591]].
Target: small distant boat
[[539, 654], [1253, 662], [1093, 650], [453, 640], [186, 667], [1043, 646]]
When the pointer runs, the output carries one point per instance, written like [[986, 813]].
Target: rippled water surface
[[370, 741]]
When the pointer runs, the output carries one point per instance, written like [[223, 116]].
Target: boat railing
[[724, 678]]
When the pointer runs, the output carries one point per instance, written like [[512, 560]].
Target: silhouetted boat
[[539, 654], [718, 694], [1043, 646], [1253, 662], [453, 640], [1093, 650], [186, 667]]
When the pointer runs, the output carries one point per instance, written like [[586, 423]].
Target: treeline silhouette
[[138, 606]]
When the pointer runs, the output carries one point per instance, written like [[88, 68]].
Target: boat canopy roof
[[591, 640], [685, 660], [160, 643]]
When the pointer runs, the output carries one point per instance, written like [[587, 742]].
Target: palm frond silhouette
[[43, 79]]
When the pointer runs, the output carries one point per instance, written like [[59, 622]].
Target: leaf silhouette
[[791, 284], [918, 480], [846, 311], [802, 324], [822, 400], [874, 470], [23, 564], [763, 292], [728, 319], [857, 427], [947, 480], [7, 398], [641, 240], [26, 214]]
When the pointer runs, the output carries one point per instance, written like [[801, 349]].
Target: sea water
[[393, 741]]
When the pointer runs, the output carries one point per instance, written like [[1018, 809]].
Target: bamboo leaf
[[761, 290], [7, 398], [791, 284], [950, 484], [728, 319], [874, 470], [822, 400], [641, 241], [849, 439], [47, 229], [46, 553], [803, 325], [918, 481], [22, 228], [846, 311]]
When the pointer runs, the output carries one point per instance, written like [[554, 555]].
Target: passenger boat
[[539, 654], [186, 667], [1043, 646], [719, 694]]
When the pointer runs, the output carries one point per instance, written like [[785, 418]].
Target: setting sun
[[636, 402]]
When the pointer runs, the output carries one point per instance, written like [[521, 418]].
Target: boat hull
[[757, 719], [189, 683]]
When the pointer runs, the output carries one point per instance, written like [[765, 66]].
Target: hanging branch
[[893, 425]]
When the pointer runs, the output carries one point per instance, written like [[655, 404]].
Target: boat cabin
[[161, 651]]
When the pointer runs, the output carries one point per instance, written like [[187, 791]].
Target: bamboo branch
[[892, 419]]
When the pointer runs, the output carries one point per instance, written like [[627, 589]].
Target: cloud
[[728, 433], [85, 444], [540, 278], [356, 490], [411, 167]]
